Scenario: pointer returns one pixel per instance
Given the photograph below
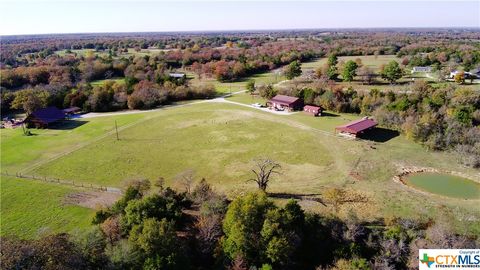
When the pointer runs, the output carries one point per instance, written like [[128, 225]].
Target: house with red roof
[[282, 102], [356, 127], [313, 110]]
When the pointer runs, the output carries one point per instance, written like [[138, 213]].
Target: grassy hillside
[[30, 208]]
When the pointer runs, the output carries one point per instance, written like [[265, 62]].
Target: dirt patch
[[93, 200]]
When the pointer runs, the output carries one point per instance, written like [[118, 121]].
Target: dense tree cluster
[[152, 229], [31, 62]]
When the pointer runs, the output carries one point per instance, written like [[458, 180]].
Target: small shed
[[282, 102], [357, 127], [313, 110], [43, 117]]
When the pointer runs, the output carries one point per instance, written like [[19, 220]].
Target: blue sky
[[38, 17]]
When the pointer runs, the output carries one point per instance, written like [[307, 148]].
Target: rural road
[[218, 99]]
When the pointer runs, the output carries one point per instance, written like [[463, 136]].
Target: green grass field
[[371, 61], [101, 82], [218, 141], [30, 208], [230, 87]]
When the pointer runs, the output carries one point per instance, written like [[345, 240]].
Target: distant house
[[355, 128], [282, 102], [177, 75], [313, 110], [468, 75], [421, 69], [43, 117]]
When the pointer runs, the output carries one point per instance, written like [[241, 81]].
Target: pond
[[445, 185]]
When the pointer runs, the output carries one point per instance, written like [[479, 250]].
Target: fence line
[[72, 183]]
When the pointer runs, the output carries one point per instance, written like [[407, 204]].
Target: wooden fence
[[72, 183]]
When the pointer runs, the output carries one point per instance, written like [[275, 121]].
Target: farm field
[[273, 76], [31, 208], [218, 142], [101, 82], [371, 61], [375, 63]]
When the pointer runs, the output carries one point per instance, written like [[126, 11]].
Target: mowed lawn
[[20, 152], [219, 141], [31, 208]]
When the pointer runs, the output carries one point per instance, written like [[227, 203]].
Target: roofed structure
[[71, 110], [357, 127], [177, 75], [422, 69], [313, 110], [44, 117], [285, 102]]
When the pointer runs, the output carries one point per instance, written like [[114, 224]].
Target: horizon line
[[253, 30]]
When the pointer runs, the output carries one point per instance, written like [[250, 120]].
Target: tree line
[[160, 228]]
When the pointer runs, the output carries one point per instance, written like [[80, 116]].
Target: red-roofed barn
[[357, 127], [282, 102], [313, 110], [44, 117]]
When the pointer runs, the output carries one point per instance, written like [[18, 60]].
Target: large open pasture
[[218, 141], [273, 77], [371, 61]]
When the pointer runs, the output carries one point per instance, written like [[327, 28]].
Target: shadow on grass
[[329, 114], [305, 197], [379, 134], [67, 124]]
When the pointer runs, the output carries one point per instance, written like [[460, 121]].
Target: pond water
[[445, 184]]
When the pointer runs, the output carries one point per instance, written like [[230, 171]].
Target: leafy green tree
[[464, 114], [242, 226], [154, 206], [267, 91], [392, 72], [349, 71], [281, 233], [332, 60], [332, 71], [294, 69], [250, 86], [30, 100], [158, 242]]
